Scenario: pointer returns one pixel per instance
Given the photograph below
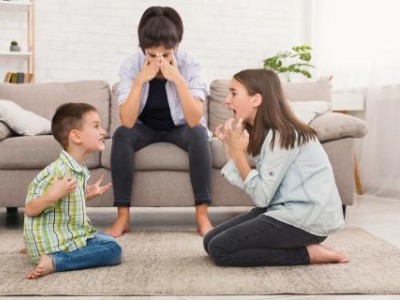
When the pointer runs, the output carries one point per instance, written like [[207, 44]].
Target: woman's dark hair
[[274, 113], [160, 26]]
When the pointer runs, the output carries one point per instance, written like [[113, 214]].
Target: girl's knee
[[219, 255]]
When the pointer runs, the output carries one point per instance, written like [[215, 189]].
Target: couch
[[161, 177]]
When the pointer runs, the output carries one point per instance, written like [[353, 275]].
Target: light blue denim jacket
[[297, 186], [189, 69]]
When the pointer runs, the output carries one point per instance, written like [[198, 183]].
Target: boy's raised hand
[[61, 187], [95, 189]]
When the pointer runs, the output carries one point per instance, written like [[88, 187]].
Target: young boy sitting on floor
[[58, 234]]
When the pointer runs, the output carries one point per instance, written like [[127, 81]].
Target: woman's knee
[[197, 133], [122, 134]]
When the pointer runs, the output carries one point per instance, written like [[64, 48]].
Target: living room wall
[[89, 39]]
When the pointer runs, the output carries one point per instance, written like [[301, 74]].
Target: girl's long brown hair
[[274, 113]]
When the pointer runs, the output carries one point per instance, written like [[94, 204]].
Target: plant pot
[[15, 48]]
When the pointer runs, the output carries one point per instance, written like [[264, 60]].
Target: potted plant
[[296, 60], [14, 47]]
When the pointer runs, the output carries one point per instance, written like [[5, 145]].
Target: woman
[[292, 185], [160, 95]]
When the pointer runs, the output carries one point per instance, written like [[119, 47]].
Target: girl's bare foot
[[121, 224], [203, 223], [320, 254], [43, 268]]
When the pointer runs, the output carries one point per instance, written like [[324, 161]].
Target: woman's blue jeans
[[101, 250]]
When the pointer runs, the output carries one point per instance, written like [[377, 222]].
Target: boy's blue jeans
[[101, 250]]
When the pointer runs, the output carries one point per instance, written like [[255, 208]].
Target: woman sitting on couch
[[160, 96]]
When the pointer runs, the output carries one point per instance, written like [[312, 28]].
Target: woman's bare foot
[[321, 254], [203, 223], [23, 251], [121, 224], [43, 268]]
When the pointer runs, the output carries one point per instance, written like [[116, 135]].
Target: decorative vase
[[15, 48]]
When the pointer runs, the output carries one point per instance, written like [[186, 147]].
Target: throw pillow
[[22, 121], [309, 110], [5, 131], [333, 126]]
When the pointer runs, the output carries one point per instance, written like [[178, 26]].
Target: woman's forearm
[[129, 110], [192, 108]]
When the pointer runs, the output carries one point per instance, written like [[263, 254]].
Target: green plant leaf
[[291, 61]]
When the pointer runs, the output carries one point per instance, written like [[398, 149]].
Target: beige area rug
[[173, 262]]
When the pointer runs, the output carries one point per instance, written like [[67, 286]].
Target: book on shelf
[[18, 77]]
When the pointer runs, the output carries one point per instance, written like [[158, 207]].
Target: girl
[[292, 185]]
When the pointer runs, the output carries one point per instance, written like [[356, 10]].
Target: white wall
[[89, 39]]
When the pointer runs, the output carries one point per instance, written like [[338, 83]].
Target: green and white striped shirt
[[64, 226]]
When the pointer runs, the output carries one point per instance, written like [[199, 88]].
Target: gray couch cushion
[[218, 112], [5, 131], [34, 152], [308, 91], [44, 98], [333, 126]]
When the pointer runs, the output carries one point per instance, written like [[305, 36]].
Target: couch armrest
[[333, 126]]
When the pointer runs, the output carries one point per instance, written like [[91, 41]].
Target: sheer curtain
[[357, 42]]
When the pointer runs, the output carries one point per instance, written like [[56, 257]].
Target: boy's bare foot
[[320, 254], [203, 223], [43, 268], [121, 224]]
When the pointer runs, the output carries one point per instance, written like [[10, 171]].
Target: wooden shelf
[[15, 54], [27, 7], [14, 6]]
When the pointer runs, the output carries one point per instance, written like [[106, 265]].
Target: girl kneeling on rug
[[292, 185]]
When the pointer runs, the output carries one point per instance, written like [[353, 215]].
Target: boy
[[58, 234]]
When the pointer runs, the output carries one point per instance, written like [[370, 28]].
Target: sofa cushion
[[23, 121], [308, 91], [309, 110], [218, 112], [34, 152], [44, 98], [5, 131], [333, 126]]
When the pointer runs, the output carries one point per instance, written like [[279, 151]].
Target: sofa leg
[[12, 210], [344, 211]]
